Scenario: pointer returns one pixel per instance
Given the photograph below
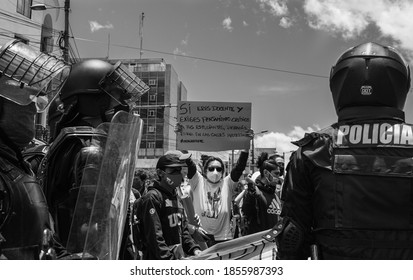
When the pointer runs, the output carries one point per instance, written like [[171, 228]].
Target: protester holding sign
[[213, 194]]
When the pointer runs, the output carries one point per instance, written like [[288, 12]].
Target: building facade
[[42, 30], [157, 107]]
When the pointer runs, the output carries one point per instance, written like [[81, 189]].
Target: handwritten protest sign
[[213, 126]]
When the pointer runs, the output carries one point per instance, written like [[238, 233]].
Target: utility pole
[[141, 34], [253, 149], [66, 32]]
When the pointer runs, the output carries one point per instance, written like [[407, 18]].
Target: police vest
[[366, 176]]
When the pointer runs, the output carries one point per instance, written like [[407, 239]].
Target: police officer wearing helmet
[[347, 192], [93, 93], [25, 225]]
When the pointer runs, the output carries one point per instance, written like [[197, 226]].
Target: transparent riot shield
[[103, 199]]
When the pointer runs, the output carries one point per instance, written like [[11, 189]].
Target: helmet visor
[[121, 77], [44, 74]]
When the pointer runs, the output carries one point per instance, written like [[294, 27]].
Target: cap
[[170, 160], [181, 155]]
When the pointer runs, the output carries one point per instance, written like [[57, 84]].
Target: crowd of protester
[[49, 191]]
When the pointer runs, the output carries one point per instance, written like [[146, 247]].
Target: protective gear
[[214, 177], [24, 214], [43, 73], [17, 121], [35, 153], [96, 89], [92, 80], [370, 75], [62, 169]]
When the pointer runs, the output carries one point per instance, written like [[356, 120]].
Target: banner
[[249, 247], [213, 126]]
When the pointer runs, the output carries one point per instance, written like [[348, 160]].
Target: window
[[47, 45], [152, 97], [151, 113], [132, 67], [151, 128], [152, 82], [23, 7], [150, 145]]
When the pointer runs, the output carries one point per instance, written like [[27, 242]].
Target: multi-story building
[[157, 107]]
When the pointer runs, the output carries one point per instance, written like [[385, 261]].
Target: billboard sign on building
[[213, 126]]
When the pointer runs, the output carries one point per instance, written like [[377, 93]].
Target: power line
[[214, 60]]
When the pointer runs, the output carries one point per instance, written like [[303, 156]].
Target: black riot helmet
[[82, 87], [370, 75], [96, 88]]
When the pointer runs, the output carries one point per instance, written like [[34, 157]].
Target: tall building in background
[[157, 107]]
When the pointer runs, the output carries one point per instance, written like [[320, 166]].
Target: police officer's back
[[348, 187]]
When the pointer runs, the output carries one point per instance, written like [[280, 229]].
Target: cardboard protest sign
[[213, 126]]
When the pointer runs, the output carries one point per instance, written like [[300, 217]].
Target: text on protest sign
[[213, 126]]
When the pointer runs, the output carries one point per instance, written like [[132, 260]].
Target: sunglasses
[[175, 170], [212, 168]]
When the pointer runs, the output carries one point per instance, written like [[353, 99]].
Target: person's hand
[[197, 252], [202, 232], [250, 184], [197, 220]]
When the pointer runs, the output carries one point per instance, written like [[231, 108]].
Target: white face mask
[[214, 176]]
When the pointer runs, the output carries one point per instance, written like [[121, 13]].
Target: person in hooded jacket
[[262, 199], [160, 217]]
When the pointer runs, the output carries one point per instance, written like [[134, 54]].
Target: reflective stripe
[[374, 165]]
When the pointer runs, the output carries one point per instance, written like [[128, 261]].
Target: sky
[[276, 54]]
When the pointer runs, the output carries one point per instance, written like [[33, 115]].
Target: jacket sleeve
[[191, 168], [152, 229], [239, 167], [297, 204], [249, 203], [188, 243]]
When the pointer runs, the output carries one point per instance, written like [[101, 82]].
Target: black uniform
[[349, 189], [163, 224], [62, 171], [23, 210]]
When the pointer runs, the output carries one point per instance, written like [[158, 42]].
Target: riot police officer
[[24, 218], [93, 93], [348, 191]]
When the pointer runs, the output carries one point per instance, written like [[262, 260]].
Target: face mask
[[173, 180], [214, 176], [17, 122], [271, 179]]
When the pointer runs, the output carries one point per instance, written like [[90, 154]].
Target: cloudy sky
[[276, 54]]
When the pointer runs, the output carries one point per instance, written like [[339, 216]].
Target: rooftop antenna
[[107, 55], [141, 34]]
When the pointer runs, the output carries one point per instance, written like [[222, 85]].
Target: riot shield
[[103, 199]]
